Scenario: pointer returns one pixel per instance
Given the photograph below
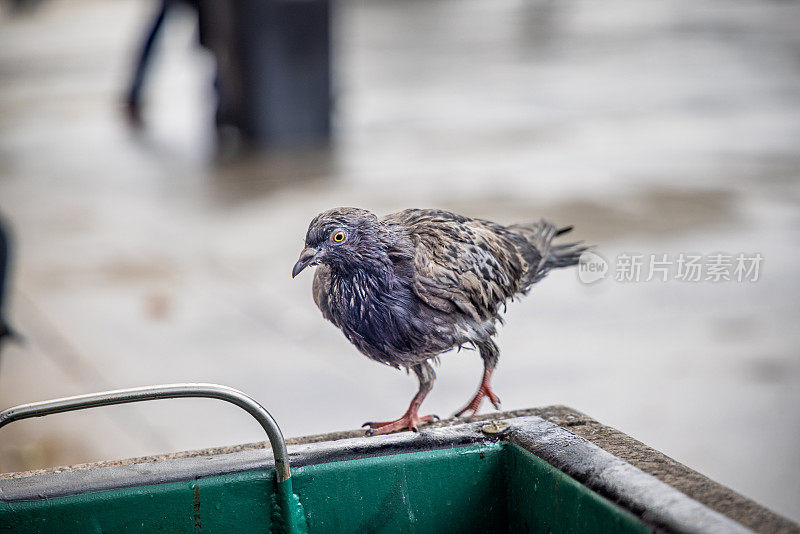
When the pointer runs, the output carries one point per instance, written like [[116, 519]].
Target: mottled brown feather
[[467, 264]]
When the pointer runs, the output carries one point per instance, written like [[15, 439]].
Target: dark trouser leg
[[5, 258], [411, 419], [140, 70]]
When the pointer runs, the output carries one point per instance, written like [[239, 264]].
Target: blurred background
[[154, 226]]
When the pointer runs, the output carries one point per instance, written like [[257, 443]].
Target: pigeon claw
[[409, 421], [475, 404]]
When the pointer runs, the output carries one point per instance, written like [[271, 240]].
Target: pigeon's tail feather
[[540, 235], [564, 230], [558, 257], [566, 255]]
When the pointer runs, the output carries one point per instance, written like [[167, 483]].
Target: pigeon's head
[[343, 238]]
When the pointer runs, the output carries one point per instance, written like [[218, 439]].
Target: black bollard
[[274, 69]]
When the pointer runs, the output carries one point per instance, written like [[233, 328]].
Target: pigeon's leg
[[411, 419], [490, 354]]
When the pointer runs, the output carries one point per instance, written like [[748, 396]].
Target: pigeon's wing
[[463, 264]]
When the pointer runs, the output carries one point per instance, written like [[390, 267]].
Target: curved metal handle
[[165, 391]]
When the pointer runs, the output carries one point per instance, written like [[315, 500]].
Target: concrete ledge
[[611, 463]]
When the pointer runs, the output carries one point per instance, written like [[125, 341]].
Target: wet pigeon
[[409, 286]]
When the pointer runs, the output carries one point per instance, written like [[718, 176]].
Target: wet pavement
[[654, 128]]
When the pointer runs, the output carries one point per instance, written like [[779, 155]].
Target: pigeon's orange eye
[[338, 237]]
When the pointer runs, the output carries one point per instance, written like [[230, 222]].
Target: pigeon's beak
[[307, 257]]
